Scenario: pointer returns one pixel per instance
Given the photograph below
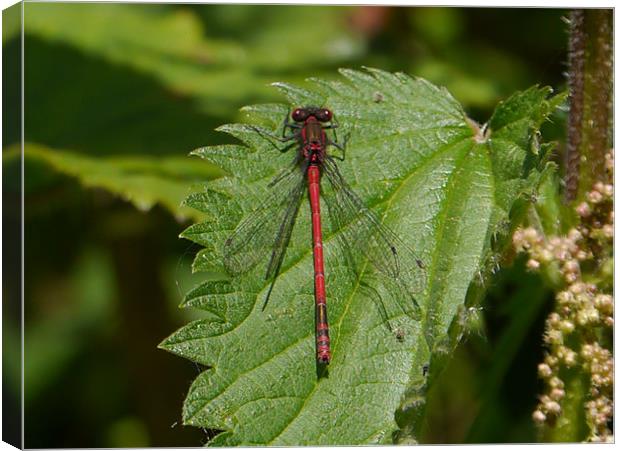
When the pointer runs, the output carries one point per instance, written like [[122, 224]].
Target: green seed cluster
[[578, 331]]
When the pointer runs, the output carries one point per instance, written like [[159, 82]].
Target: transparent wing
[[362, 234], [265, 233]]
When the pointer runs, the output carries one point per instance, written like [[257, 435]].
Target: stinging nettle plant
[[572, 246], [445, 184]]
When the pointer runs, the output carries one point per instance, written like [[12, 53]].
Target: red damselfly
[[360, 231]]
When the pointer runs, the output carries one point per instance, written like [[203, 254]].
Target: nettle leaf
[[185, 54], [436, 178], [143, 181]]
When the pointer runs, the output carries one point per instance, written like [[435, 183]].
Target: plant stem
[[590, 84]]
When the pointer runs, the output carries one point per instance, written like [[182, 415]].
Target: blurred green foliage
[[126, 91], [142, 180]]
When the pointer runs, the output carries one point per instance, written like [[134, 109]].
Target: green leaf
[[143, 181], [443, 184], [174, 45]]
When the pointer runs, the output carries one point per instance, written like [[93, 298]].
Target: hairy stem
[[590, 85]]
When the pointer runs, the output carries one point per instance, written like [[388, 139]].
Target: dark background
[[103, 278]]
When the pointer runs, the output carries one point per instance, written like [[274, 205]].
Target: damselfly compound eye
[[324, 115], [299, 114]]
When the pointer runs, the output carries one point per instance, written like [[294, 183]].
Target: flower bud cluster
[[597, 215], [599, 408], [564, 251], [583, 313]]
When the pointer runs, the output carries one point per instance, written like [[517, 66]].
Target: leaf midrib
[[441, 228]]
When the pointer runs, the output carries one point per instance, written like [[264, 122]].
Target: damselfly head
[[321, 114]]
